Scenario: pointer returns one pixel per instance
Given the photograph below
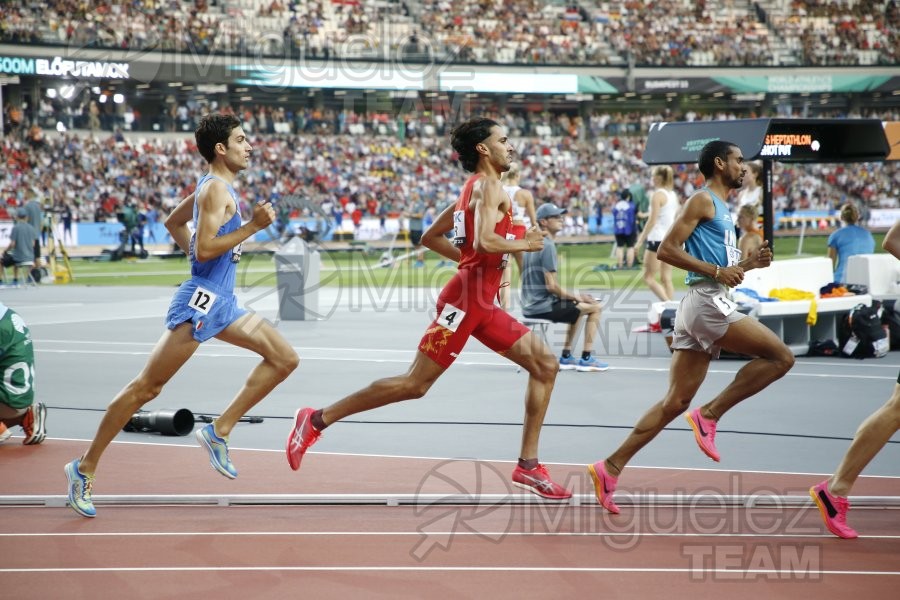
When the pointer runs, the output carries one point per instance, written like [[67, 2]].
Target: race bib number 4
[[450, 317], [725, 306], [202, 300]]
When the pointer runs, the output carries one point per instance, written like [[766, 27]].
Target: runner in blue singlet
[[706, 321], [203, 307]]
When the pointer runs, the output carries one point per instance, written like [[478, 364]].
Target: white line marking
[[793, 574], [236, 353], [469, 458], [492, 535]]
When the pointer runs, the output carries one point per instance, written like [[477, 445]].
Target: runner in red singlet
[[480, 220]]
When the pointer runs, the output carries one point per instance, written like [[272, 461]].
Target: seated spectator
[[544, 298], [849, 240]]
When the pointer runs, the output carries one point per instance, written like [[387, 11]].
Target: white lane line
[[491, 535], [500, 363], [470, 459], [783, 574]]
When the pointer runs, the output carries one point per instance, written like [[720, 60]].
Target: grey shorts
[[699, 323]]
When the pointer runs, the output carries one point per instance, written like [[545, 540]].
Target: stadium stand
[[666, 32]]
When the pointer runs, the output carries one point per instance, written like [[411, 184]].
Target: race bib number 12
[[202, 300]]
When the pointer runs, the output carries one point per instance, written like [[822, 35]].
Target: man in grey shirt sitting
[[543, 298]]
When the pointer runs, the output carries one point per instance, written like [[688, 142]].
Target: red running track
[[352, 551]]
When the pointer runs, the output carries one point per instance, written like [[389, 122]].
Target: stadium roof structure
[[784, 140]]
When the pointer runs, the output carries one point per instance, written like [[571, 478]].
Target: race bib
[[725, 306], [450, 317], [202, 300], [734, 255], [236, 252], [459, 227], [731, 250], [505, 260]]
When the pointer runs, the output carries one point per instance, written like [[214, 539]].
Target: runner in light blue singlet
[[207, 299], [713, 241]]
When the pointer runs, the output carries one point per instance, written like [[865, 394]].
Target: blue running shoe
[[591, 364], [218, 451], [79, 493], [568, 364]]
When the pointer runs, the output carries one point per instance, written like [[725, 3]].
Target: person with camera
[[204, 307]]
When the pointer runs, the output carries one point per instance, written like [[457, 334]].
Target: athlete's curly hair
[[466, 136], [214, 129]]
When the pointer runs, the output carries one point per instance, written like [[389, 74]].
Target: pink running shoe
[[834, 511], [604, 486], [538, 481], [704, 432], [302, 436]]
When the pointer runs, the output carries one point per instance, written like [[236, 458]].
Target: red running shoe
[[302, 436], [604, 486], [704, 432], [538, 481], [834, 511]]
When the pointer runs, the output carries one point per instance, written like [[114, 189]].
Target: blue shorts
[[208, 306]]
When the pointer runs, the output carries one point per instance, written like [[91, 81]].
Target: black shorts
[[626, 240], [7, 260], [561, 311], [415, 237], [653, 246]]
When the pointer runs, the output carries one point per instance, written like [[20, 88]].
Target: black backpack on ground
[[860, 333]]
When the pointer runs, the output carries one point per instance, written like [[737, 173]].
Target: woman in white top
[[663, 208], [751, 192], [523, 217]]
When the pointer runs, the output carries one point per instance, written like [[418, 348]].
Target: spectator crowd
[[384, 167], [663, 32]]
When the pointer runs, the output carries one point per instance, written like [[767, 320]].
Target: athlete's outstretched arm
[[435, 239], [177, 223]]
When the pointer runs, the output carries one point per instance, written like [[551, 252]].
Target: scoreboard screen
[[824, 140], [782, 140]]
